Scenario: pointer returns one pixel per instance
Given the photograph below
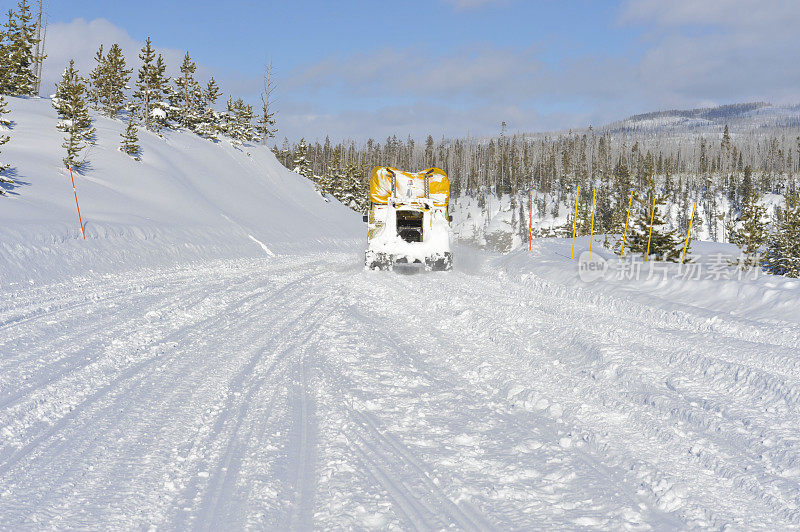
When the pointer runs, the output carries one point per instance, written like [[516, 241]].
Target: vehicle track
[[310, 394]]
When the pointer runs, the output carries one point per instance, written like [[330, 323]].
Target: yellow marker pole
[[530, 225], [652, 216], [627, 219], [591, 239], [575, 221], [683, 257]]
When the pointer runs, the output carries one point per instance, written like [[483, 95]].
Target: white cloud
[[80, 40], [690, 53], [469, 90], [717, 51], [753, 14], [418, 120], [479, 72]]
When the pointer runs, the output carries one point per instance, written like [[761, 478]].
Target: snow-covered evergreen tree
[[327, 179], [145, 92], [5, 123], [5, 56], [284, 154], [237, 121], [70, 104], [584, 226], [115, 82], [300, 162], [18, 62], [782, 256], [664, 243], [209, 124], [187, 96], [97, 80], [523, 232], [751, 233], [333, 175], [349, 189], [130, 139], [162, 92]]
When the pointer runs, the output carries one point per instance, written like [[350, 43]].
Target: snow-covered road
[[304, 392]]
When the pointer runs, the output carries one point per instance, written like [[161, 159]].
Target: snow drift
[[188, 198]]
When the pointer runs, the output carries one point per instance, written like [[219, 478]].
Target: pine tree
[[664, 243], [97, 79], [301, 164], [19, 60], [74, 113], [284, 153], [726, 138], [350, 191], [333, 174], [237, 121], [4, 124], [209, 124], [752, 234], [145, 94], [130, 139], [162, 94], [584, 225], [524, 227], [186, 98], [115, 82], [747, 185], [782, 256], [5, 55]]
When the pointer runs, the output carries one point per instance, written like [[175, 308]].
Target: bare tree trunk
[[266, 98]]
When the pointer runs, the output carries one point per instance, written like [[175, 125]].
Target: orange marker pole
[[627, 219], [530, 225], [591, 239], [683, 257], [74, 191], [575, 221], [650, 236]]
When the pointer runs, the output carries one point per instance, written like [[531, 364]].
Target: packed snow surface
[[215, 365]]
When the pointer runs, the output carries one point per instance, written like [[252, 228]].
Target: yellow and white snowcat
[[409, 221]]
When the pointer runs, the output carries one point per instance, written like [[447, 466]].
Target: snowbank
[[708, 286], [188, 198]]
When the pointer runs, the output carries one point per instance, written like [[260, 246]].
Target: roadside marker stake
[[74, 191], [591, 239], [691, 219], [627, 218], [650, 236], [575, 221], [530, 225]]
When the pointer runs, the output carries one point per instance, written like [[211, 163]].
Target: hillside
[[187, 198], [740, 118]]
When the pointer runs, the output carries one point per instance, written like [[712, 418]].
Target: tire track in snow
[[610, 334], [66, 367], [285, 341], [415, 495], [640, 389], [415, 514], [73, 351], [465, 517], [116, 386]]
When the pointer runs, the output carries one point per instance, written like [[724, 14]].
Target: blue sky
[[452, 67]]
